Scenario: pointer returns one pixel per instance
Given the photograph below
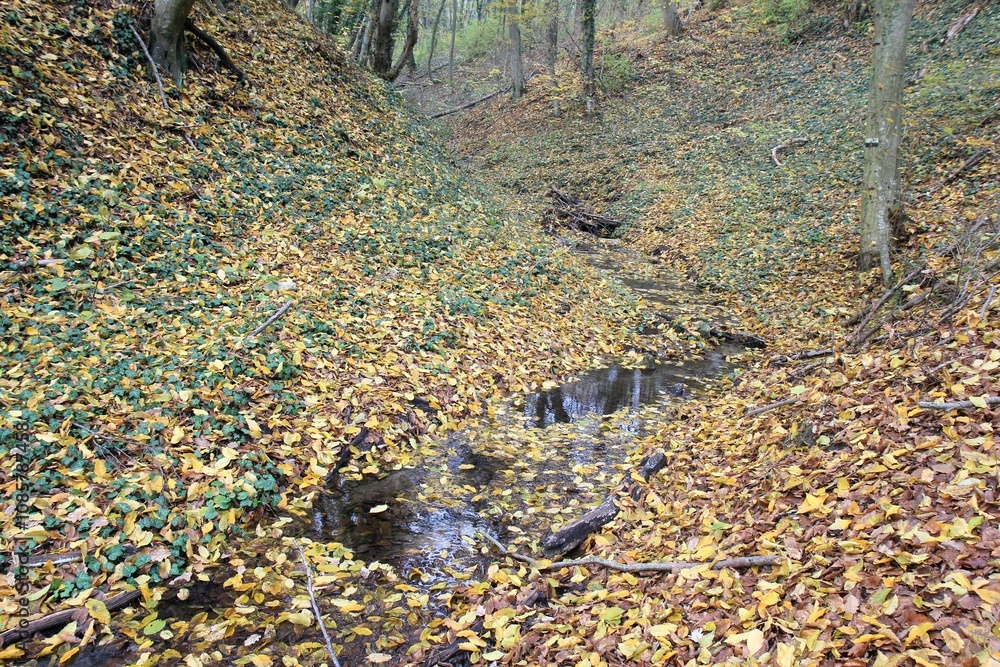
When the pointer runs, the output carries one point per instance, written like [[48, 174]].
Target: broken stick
[[271, 320], [572, 534], [797, 141]]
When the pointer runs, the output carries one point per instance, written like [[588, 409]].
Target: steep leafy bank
[[159, 422]]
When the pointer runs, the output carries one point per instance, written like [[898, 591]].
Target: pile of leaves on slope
[[159, 425], [884, 512]]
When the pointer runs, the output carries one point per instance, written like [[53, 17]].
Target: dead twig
[[675, 566], [664, 566], [960, 23], [213, 44], [31, 263], [773, 406], [271, 320], [857, 338], [469, 105], [957, 405], [58, 618], [315, 606], [152, 64], [797, 141]]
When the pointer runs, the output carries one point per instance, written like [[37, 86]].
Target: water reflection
[[607, 390]]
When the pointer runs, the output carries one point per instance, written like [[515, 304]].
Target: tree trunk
[[362, 55], [411, 41], [167, 37], [587, 66], [578, 19], [516, 55], [451, 52], [434, 36], [671, 19], [551, 36], [880, 195], [384, 39]]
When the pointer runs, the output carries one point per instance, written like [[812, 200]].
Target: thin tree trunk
[[884, 133], [365, 41], [411, 40], [434, 35], [587, 66], [551, 37], [167, 37], [517, 57], [578, 19], [671, 19], [384, 39], [451, 52]]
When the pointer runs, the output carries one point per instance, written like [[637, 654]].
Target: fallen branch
[[669, 566], [58, 618], [31, 263], [971, 163], [746, 340], [271, 320], [957, 405], [152, 64], [857, 338], [213, 44], [572, 534], [959, 25], [469, 105], [772, 406], [568, 211], [315, 606], [797, 141]]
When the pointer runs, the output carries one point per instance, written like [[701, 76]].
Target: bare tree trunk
[[451, 52], [517, 57], [384, 39], [167, 37], [434, 35], [365, 41], [578, 19], [412, 28], [671, 19], [884, 133], [587, 66], [551, 36]]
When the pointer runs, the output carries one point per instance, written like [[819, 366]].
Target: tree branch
[[156, 73], [213, 44], [957, 405]]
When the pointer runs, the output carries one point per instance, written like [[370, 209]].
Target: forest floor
[[885, 511], [175, 449]]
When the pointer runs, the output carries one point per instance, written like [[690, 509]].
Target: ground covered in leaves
[[173, 450], [143, 246], [884, 512]]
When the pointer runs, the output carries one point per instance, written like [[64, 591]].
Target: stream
[[543, 460], [562, 446]]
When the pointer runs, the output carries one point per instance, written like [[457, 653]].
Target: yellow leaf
[[177, 436], [989, 596], [261, 661], [378, 509], [662, 630], [98, 611], [379, 658], [784, 656], [978, 401], [918, 631], [494, 655], [755, 641], [254, 427], [812, 503], [953, 640]]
